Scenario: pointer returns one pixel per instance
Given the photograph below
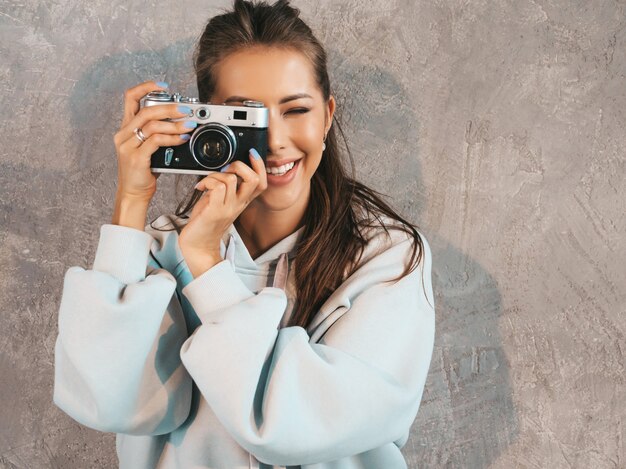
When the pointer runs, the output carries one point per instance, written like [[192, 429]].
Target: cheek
[[308, 134]]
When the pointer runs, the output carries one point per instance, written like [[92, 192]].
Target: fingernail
[[224, 168], [162, 84], [184, 136], [255, 154], [184, 109], [196, 186], [191, 124]]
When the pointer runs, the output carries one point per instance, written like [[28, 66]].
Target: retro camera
[[224, 134]]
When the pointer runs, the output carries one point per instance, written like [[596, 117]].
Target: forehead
[[264, 72]]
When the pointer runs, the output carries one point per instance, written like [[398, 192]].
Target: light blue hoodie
[[200, 373]]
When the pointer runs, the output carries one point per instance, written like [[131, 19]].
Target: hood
[[269, 269], [272, 263]]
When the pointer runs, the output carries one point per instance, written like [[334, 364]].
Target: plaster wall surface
[[495, 126]]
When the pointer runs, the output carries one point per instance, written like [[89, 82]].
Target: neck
[[261, 226]]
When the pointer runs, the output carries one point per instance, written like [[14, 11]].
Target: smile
[[281, 169], [283, 174]]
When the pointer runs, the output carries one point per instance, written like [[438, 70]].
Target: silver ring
[[139, 134]]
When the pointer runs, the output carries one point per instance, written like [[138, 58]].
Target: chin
[[277, 198]]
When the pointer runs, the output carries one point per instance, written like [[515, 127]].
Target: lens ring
[[223, 130]]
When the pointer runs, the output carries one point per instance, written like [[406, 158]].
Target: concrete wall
[[496, 126]]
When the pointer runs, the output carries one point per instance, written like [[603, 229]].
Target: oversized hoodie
[[202, 373]]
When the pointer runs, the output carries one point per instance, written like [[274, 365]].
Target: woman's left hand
[[217, 209]]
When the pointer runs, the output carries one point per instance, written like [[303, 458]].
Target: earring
[[324, 143]]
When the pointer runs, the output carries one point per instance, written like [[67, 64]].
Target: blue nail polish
[[255, 154], [184, 109], [162, 84], [224, 168], [191, 124], [184, 136]]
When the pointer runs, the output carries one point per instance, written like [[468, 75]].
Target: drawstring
[[253, 462], [282, 266], [281, 272], [230, 251]]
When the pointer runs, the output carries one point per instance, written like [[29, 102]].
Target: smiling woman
[[282, 320], [299, 120]]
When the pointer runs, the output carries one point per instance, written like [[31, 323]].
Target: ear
[[330, 112]]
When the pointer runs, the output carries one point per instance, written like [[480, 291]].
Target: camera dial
[[158, 96]]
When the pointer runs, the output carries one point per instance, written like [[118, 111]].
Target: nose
[[276, 134]]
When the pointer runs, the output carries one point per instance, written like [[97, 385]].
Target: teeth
[[281, 169]]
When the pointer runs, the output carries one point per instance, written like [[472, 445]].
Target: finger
[[242, 172], [202, 183], [215, 190], [229, 180], [133, 95], [202, 202], [150, 113], [254, 178], [151, 145], [248, 181], [154, 127]]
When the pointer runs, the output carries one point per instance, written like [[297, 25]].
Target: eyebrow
[[286, 99]]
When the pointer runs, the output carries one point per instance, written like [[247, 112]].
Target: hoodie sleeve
[[291, 402], [114, 369]]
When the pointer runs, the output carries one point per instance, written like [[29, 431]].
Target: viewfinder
[[240, 115]]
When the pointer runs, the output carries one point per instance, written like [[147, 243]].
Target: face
[[299, 117]]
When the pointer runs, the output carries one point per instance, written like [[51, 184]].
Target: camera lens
[[213, 145]]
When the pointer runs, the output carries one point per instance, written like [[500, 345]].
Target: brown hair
[[332, 242]]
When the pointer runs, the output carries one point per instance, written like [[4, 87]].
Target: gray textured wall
[[498, 127]]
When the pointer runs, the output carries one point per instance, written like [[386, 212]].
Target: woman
[[285, 322]]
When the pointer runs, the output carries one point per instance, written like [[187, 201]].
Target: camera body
[[224, 134]]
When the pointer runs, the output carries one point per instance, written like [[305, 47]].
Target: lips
[[286, 178]]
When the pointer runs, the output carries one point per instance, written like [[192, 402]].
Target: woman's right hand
[[135, 180]]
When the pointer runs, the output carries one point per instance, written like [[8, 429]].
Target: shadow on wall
[[96, 108], [97, 99], [467, 417], [467, 407]]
